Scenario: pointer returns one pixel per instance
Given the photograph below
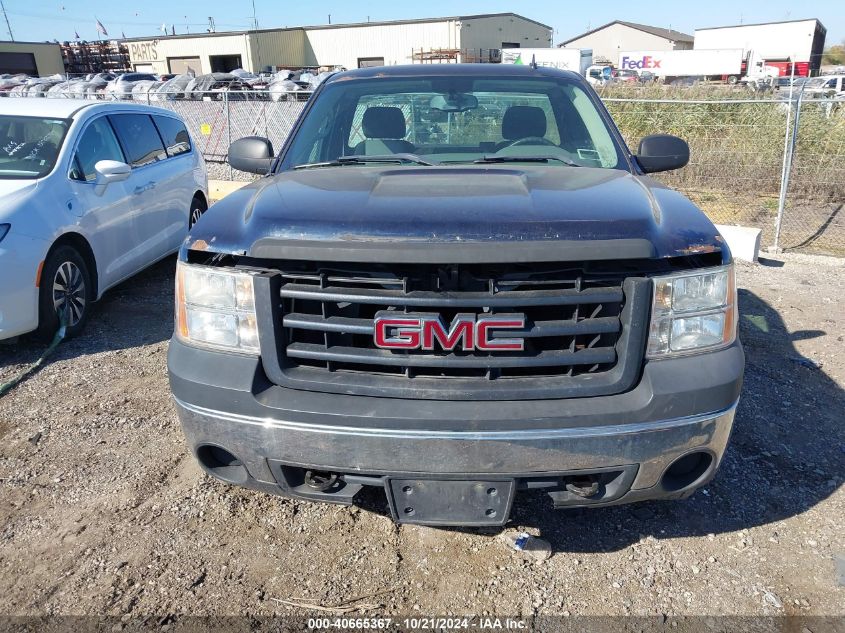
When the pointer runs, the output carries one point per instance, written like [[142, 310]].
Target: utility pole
[[8, 26]]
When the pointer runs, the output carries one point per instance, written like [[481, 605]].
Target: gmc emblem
[[469, 331]]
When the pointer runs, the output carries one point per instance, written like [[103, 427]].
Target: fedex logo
[[645, 63]]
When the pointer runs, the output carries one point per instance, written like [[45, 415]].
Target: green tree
[[834, 55]]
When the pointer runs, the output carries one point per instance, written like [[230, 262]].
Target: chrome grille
[[575, 341]]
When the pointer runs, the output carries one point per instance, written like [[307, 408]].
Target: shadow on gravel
[[786, 455], [137, 312]]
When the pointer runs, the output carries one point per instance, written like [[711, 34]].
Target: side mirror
[[662, 152], [109, 171], [253, 154]]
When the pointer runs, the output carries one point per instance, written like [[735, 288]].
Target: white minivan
[[90, 194]]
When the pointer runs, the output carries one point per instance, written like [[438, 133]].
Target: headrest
[[384, 122], [523, 121]]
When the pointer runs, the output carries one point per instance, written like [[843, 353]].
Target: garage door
[[184, 65], [15, 63]]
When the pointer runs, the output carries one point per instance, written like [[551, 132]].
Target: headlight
[[4, 228], [215, 307], [693, 311]]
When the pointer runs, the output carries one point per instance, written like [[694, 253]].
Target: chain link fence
[[216, 120], [773, 164], [814, 193], [770, 163]]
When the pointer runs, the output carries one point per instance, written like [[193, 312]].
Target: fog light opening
[[687, 471], [220, 463]]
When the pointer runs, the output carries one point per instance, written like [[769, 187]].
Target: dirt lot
[[104, 512]]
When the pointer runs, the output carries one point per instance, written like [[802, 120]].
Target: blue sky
[[48, 19]]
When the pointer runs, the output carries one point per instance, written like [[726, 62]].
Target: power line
[[6, 16], [64, 17]]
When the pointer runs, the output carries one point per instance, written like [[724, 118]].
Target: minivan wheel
[[65, 288], [198, 207]]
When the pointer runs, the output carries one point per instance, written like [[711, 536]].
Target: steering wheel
[[529, 140]]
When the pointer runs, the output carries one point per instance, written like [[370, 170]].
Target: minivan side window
[[97, 143], [139, 138], [175, 136]]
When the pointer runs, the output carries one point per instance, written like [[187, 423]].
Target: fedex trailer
[[574, 59], [698, 63]]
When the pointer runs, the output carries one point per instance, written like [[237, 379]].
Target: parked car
[[213, 85], [173, 88], [143, 90], [8, 82], [40, 86], [92, 87], [61, 90], [255, 82], [599, 75], [824, 86], [647, 77], [626, 75], [454, 318], [287, 90], [121, 87], [90, 193]]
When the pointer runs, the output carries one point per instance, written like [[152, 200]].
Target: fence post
[[789, 151], [228, 129]]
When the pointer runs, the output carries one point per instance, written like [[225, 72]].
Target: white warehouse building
[[459, 38]]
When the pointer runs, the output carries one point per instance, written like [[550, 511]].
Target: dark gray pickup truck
[[455, 283]]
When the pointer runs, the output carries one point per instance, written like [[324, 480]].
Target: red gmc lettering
[[461, 329], [407, 335], [466, 330], [482, 334]]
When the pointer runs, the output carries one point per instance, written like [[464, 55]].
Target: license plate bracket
[[450, 501]]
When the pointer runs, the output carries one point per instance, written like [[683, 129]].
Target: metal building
[[31, 58], [778, 43], [609, 40], [347, 45]]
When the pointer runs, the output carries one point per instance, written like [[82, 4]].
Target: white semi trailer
[[574, 59]]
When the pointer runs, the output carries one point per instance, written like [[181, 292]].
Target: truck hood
[[462, 213]]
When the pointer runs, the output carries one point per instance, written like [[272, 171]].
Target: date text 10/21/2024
[[419, 623]]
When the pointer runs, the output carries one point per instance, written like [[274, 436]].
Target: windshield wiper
[[494, 158], [357, 160]]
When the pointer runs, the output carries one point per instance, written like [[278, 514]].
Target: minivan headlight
[[215, 308], [693, 311]]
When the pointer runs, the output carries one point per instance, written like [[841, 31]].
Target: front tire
[[198, 207], [65, 288]]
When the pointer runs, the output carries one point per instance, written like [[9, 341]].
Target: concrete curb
[[743, 241]]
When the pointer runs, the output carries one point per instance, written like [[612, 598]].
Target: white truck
[[689, 63], [574, 59]]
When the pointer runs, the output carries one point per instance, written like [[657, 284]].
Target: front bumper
[[680, 406]]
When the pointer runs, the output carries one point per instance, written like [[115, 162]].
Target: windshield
[[448, 120], [29, 146], [817, 82]]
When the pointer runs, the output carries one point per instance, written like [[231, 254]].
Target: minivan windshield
[[453, 120], [29, 146]]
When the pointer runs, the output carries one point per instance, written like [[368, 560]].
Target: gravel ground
[[104, 512]]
